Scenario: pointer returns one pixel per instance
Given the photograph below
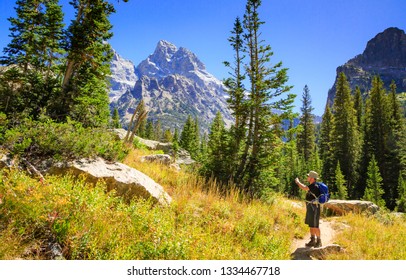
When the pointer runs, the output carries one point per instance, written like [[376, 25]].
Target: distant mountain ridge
[[384, 55], [173, 83]]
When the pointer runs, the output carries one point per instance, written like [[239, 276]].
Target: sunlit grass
[[201, 222], [381, 237]]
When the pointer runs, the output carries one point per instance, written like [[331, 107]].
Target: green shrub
[[46, 138]]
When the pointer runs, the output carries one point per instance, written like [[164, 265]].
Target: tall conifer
[[34, 55], [85, 79], [345, 136], [306, 137], [326, 153], [382, 137], [267, 83], [218, 154], [374, 190]]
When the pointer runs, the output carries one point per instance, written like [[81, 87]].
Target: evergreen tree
[[377, 121], [175, 142], [85, 79], [36, 35], [158, 130], [149, 130], [306, 137], [176, 136], [189, 138], [374, 191], [235, 88], [115, 123], [267, 83], [168, 137], [34, 54], [234, 84], [340, 183], [345, 138], [291, 163], [218, 159], [359, 107], [383, 137], [325, 147], [393, 166], [401, 201]]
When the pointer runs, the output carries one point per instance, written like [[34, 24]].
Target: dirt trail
[[299, 249]]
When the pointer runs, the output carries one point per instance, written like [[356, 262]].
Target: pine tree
[[401, 201], [374, 191], [189, 139], [340, 183], [85, 79], [382, 137], [291, 163], [234, 84], [176, 135], [377, 121], [34, 54], [115, 122], [345, 138], [235, 88], [168, 137], [175, 142], [158, 130], [218, 159], [149, 130], [325, 147], [306, 137], [358, 106], [267, 83]]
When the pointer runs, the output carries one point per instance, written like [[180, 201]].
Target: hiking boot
[[311, 243], [318, 243]]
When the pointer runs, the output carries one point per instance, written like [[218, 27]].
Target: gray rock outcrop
[[342, 207], [126, 181], [162, 159]]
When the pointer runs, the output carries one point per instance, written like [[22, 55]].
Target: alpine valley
[[173, 83]]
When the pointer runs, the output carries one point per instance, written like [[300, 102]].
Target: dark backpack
[[324, 194]]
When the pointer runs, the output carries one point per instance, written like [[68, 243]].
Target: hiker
[[312, 209]]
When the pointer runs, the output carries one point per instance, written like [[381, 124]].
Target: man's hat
[[313, 174]]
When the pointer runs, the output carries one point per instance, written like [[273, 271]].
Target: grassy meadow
[[200, 223]]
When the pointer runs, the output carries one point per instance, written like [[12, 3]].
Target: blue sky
[[312, 38]]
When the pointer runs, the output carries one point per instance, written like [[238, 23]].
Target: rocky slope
[[384, 55], [173, 83]]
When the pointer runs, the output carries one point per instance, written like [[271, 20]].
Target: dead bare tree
[[140, 114]]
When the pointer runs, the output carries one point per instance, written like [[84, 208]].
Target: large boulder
[[342, 207], [162, 159], [126, 181]]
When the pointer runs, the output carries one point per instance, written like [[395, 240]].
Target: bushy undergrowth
[[70, 140]]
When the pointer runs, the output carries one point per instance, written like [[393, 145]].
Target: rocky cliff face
[[174, 83], [384, 55], [123, 77]]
